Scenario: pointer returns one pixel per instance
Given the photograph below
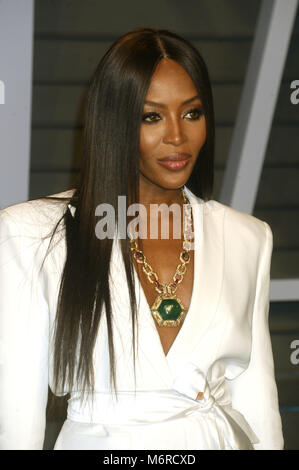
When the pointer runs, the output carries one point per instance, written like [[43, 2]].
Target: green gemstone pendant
[[168, 310]]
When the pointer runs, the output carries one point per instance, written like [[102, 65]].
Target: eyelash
[[197, 110]]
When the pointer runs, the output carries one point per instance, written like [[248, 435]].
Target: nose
[[174, 132]]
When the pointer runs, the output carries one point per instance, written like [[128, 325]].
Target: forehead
[[170, 81]]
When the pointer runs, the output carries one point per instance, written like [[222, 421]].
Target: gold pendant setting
[[168, 310]]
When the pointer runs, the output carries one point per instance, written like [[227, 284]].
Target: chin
[[171, 185], [167, 180], [174, 181]]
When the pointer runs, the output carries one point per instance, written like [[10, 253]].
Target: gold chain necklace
[[167, 308]]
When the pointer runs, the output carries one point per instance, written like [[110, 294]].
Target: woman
[[175, 353]]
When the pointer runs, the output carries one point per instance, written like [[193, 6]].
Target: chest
[[163, 256]]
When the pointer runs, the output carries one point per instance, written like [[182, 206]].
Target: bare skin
[[177, 128]]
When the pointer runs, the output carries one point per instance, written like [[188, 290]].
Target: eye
[[196, 112], [150, 117]]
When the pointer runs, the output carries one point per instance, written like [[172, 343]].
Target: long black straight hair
[[110, 168]]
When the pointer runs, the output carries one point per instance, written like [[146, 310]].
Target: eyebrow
[[161, 105]]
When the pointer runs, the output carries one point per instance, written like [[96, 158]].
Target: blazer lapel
[[208, 277]]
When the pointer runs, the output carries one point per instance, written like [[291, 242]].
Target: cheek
[[200, 134], [149, 140], [197, 138], [204, 130]]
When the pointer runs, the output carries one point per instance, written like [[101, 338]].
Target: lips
[[175, 161], [175, 157]]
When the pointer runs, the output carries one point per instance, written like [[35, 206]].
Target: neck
[[156, 195]]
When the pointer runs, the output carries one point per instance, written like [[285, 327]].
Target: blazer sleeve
[[24, 338], [254, 392]]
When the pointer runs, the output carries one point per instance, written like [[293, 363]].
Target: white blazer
[[223, 348]]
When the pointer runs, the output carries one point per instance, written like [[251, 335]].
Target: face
[[174, 125]]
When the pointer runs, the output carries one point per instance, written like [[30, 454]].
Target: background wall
[[70, 36], [16, 39]]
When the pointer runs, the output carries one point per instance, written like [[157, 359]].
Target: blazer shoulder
[[38, 215], [237, 224], [240, 223]]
